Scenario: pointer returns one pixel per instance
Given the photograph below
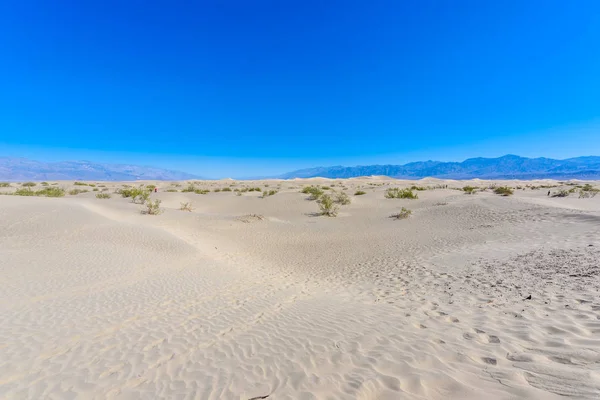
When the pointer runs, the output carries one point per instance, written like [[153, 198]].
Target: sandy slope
[[98, 301]]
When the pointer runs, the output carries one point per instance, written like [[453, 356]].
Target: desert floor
[[99, 301]]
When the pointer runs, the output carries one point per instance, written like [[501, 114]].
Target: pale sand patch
[[99, 301]]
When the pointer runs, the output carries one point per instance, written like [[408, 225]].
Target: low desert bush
[[327, 206], [152, 207], [588, 191], [44, 183], [341, 198], [325, 187], [397, 193], [404, 213], [150, 187], [190, 188], [503, 191], [201, 191], [46, 192], [562, 193], [103, 195], [28, 184], [269, 193], [80, 184], [141, 196], [226, 189], [4, 184], [418, 188], [217, 190], [75, 192], [314, 191], [469, 189], [359, 193], [171, 190], [187, 206]]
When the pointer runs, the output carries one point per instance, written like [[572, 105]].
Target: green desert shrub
[[314, 191], [80, 184], [327, 206], [29, 184], [561, 193], [141, 196], [103, 195], [75, 192], [201, 191], [46, 192], [150, 187], [269, 193], [469, 189], [325, 187], [503, 191], [217, 190], [402, 214], [44, 183], [4, 184], [418, 188], [226, 189], [341, 198], [190, 188], [359, 193], [187, 206], [95, 190], [397, 193], [171, 190], [92, 185], [152, 207], [588, 191]]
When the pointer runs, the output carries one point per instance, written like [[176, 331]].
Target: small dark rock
[[527, 298]]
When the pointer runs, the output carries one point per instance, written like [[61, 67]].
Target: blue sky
[[240, 88]]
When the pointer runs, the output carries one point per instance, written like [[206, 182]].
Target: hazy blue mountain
[[21, 169], [506, 167]]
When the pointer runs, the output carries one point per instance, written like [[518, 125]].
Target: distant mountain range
[[506, 167], [20, 169]]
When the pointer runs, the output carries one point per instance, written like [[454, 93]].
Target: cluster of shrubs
[[75, 192], [269, 193], [45, 192], [328, 203], [192, 189], [137, 194], [397, 193], [503, 191], [469, 189], [588, 191]]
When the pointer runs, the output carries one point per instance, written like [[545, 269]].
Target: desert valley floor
[[471, 297]]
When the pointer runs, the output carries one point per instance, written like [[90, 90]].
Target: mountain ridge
[[19, 169], [506, 167]]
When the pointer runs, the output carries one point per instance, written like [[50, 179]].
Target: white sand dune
[[472, 297]]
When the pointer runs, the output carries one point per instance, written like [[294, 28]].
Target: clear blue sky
[[238, 88]]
